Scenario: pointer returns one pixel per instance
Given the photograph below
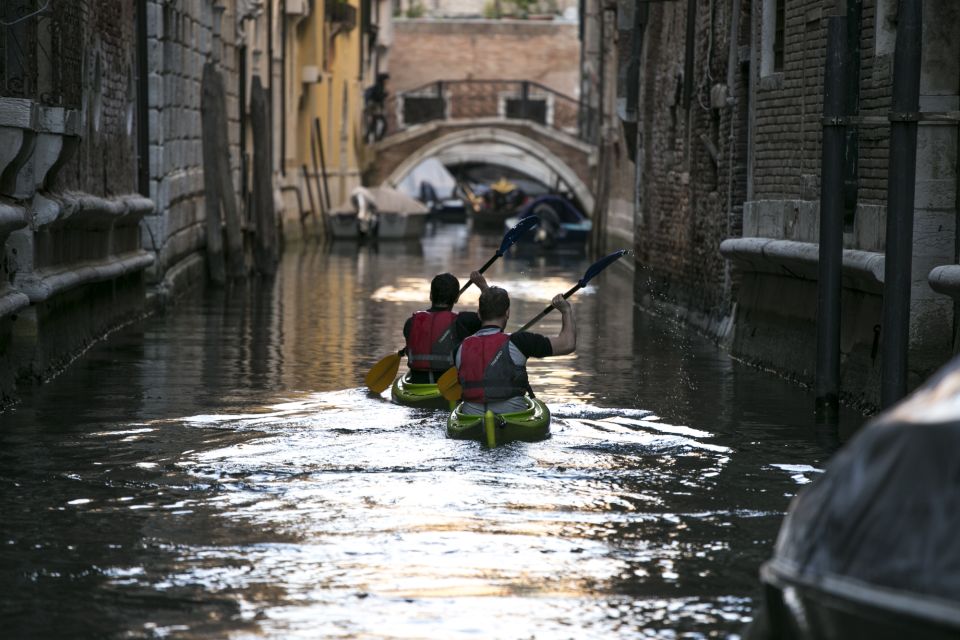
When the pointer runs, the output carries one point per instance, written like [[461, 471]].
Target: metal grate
[[41, 50]]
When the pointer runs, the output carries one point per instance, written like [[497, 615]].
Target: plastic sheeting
[[433, 172], [384, 200], [887, 510]]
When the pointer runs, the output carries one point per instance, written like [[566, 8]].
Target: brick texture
[[105, 162], [425, 51], [691, 181]]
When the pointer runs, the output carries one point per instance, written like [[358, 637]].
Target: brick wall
[[105, 162], [686, 175], [424, 51]]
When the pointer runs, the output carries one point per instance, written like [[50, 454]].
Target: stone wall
[[728, 178], [425, 51], [182, 36], [69, 215], [784, 198], [692, 161]]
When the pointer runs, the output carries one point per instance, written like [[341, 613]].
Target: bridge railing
[[488, 99]]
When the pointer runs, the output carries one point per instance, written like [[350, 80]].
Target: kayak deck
[[419, 395], [529, 425]]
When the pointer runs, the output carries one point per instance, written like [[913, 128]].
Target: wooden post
[[313, 205], [323, 162], [266, 250], [218, 181], [211, 181]]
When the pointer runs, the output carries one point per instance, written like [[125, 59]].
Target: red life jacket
[[487, 372], [431, 341]]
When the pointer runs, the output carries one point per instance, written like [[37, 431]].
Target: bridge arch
[[494, 144]]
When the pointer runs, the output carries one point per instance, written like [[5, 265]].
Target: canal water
[[219, 471]]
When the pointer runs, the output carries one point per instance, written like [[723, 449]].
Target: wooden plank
[[216, 267], [266, 247]]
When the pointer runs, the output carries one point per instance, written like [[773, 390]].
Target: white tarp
[[430, 170], [385, 200]]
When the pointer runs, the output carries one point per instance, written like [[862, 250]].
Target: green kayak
[[529, 425], [422, 396]]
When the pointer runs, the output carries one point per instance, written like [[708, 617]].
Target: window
[[781, 19], [773, 37]]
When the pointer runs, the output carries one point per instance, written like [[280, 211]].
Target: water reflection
[[218, 472]]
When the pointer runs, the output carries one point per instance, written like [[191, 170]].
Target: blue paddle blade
[[525, 224], [600, 265]]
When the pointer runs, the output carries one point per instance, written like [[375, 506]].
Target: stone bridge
[[520, 125]]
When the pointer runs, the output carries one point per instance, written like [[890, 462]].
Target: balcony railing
[[488, 99], [41, 50]]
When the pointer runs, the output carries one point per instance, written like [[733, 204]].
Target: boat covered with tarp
[[871, 549], [379, 212], [431, 183]]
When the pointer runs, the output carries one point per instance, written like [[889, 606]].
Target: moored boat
[[530, 425], [418, 395], [870, 549], [380, 213]]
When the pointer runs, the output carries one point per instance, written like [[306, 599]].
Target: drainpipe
[[143, 102], [852, 163], [690, 52], [733, 63], [901, 187], [830, 265], [283, 88]]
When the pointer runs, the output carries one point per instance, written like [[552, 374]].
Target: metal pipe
[[690, 53], [901, 188], [271, 149], [323, 163], [244, 161], [830, 266], [852, 163], [143, 103], [283, 88]]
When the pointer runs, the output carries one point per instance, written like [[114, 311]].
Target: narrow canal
[[218, 471]]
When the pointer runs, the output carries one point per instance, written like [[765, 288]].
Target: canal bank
[[218, 470]]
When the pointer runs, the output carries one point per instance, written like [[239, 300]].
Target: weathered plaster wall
[[425, 51]]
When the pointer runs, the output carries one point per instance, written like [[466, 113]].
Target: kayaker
[[434, 334], [491, 364]]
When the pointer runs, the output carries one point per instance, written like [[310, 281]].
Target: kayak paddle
[[382, 374], [449, 383], [510, 237]]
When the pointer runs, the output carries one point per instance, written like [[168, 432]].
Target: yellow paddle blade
[[449, 385], [382, 374]]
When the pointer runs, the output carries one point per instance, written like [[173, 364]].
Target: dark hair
[[444, 290], [494, 303]]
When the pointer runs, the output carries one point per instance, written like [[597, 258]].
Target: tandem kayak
[[530, 425], [421, 396]]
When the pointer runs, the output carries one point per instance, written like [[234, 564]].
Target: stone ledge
[[946, 280], [12, 301], [11, 218], [42, 285], [77, 206], [862, 270]]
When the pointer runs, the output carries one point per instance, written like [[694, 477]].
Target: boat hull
[[836, 607], [400, 226], [530, 425], [420, 396]]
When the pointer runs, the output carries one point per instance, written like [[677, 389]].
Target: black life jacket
[[431, 342], [487, 372]]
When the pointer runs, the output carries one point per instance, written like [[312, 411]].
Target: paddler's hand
[[560, 303], [477, 278]]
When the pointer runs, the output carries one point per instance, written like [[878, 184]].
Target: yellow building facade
[[333, 51]]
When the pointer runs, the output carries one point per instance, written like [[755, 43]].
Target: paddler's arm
[[477, 278], [566, 342]]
